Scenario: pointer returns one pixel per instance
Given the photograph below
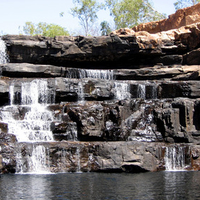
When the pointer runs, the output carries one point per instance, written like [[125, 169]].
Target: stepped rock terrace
[[125, 102]]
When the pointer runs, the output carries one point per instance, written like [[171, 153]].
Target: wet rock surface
[[119, 103]]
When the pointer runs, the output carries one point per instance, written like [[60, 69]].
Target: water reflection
[[182, 185], [161, 185], [25, 187]]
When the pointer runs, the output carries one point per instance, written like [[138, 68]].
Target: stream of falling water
[[35, 161], [141, 91], [175, 158], [3, 55], [32, 125], [122, 90], [90, 73]]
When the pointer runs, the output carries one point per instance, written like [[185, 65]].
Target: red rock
[[182, 17]]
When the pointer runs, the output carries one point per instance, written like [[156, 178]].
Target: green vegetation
[[105, 28], [129, 13], [185, 3], [44, 29], [86, 12], [125, 13]]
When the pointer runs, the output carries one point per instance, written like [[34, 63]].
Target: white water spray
[[35, 125], [122, 90], [96, 74], [3, 55], [141, 91], [175, 158], [35, 160], [90, 73], [81, 97], [30, 122]]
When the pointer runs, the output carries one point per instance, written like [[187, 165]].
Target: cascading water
[[97, 74], [3, 55], [33, 124], [80, 92], [122, 90], [90, 73], [147, 91], [86, 74], [175, 158], [33, 121], [78, 160], [143, 118], [34, 159], [141, 92]]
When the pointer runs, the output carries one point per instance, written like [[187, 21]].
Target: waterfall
[[81, 97], [3, 55], [154, 92], [87, 74], [32, 159], [30, 122], [35, 124], [147, 90], [175, 158], [122, 90], [38, 160], [40, 94], [141, 91], [11, 94], [90, 73], [78, 160], [97, 74], [62, 161]]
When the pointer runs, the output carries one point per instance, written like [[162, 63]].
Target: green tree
[[44, 29], [86, 12], [105, 28], [29, 28], [129, 13], [185, 3]]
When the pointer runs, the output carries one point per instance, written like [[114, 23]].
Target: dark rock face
[[102, 52], [119, 50], [122, 102], [128, 156], [30, 70]]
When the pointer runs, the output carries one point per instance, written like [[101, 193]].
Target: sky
[[14, 14]]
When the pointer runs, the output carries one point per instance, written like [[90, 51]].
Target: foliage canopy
[[44, 29], [105, 28], [129, 13], [185, 3], [86, 12]]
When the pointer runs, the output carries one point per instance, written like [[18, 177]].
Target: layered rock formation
[[182, 17], [124, 102]]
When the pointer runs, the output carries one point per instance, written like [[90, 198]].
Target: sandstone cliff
[[182, 17]]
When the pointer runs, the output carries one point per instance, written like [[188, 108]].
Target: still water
[[158, 185]]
